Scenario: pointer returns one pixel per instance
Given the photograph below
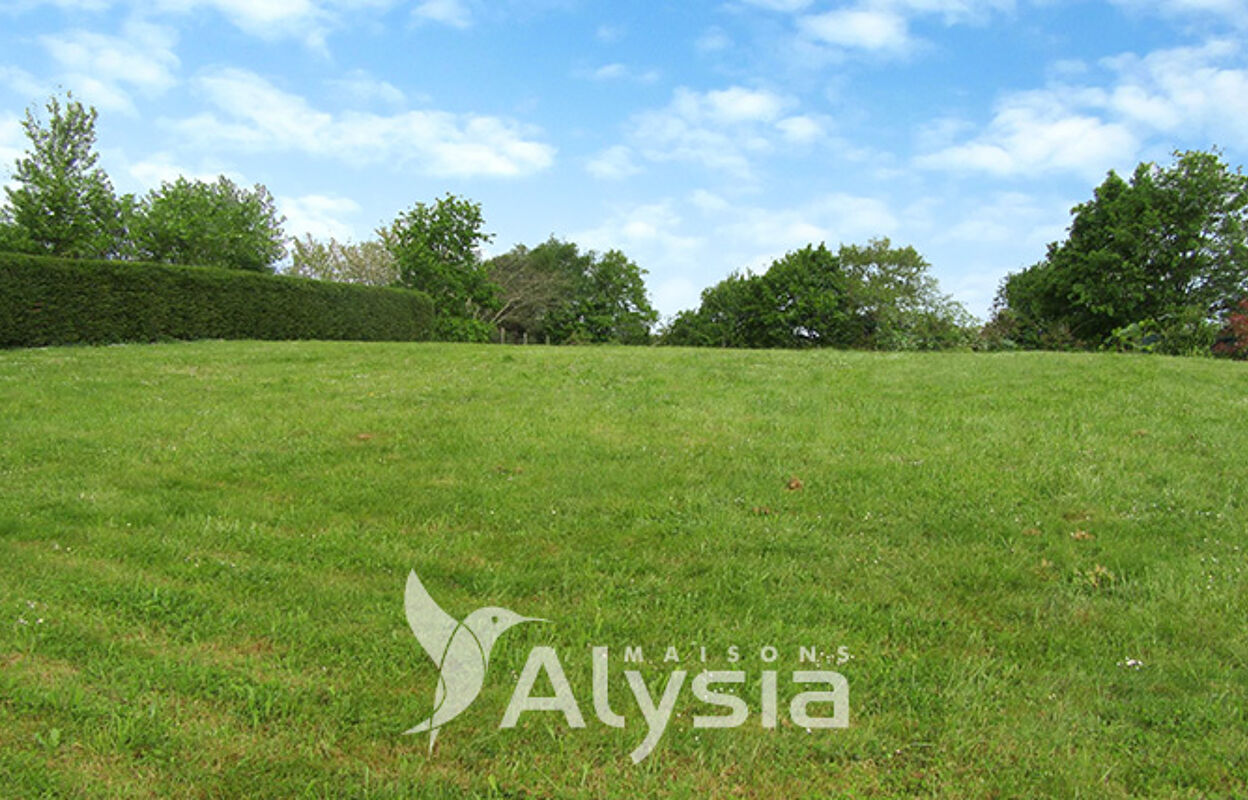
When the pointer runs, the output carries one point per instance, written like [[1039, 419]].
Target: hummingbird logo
[[460, 650]]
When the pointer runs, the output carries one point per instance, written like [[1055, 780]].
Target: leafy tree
[[216, 224], [739, 311], [370, 263], [63, 204], [609, 302], [813, 305], [897, 303], [1168, 248], [534, 283], [558, 291], [437, 250]]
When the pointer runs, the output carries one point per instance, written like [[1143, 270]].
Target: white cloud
[[720, 129], [318, 215], [361, 87], [801, 129], [620, 72], [455, 13], [98, 65], [268, 19], [1087, 130], [882, 27], [1182, 89], [735, 105], [1036, 132], [259, 116], [871, 29], [23, 83], [309, 20], [614, 163]]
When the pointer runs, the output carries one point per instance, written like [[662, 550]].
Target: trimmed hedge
[[54, 301]]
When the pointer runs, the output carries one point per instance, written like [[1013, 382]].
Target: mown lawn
[[1037, 562]]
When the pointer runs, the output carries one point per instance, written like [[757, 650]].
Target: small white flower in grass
[[1131, 663]]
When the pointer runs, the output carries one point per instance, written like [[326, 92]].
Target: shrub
[[52, 301], [1187, 332]]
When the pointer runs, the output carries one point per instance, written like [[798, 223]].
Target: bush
[[52, 301], [1185, 333]]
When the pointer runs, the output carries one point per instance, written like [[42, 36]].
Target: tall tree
[[558, 291], [609, 302], [534, 284], [438, 250], [1168, 247], [216, 224], [63, 203]]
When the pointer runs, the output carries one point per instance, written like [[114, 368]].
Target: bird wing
[[433, 626]]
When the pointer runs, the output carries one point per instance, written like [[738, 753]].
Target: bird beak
[[534, 619]]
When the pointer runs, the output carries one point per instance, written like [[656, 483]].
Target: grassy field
[[1036, 561]]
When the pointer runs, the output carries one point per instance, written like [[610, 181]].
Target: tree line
[[64, 205], [1158, 263]]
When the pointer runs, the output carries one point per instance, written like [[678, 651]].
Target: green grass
[[203, 549]]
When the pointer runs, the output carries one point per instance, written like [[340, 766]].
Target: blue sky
[[697, 137]]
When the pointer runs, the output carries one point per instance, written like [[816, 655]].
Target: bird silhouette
[[461, 650]]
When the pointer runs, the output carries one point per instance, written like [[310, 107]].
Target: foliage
[[63, 203], [608, 302], [1187, 333], [46, 301], [437, 250], [1232, 340], [1171, 242], [369, 263], [533, 284], [873, 296], [556, 291], [13, 237], [216, 224]]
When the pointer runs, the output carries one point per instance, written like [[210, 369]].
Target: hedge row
[[53, 301]]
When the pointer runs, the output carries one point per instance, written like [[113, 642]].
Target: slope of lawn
[[1038, 563]]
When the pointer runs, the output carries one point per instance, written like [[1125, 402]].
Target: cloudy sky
[[698, 137]]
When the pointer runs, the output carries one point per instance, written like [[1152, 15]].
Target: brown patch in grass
[[41, 668]]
